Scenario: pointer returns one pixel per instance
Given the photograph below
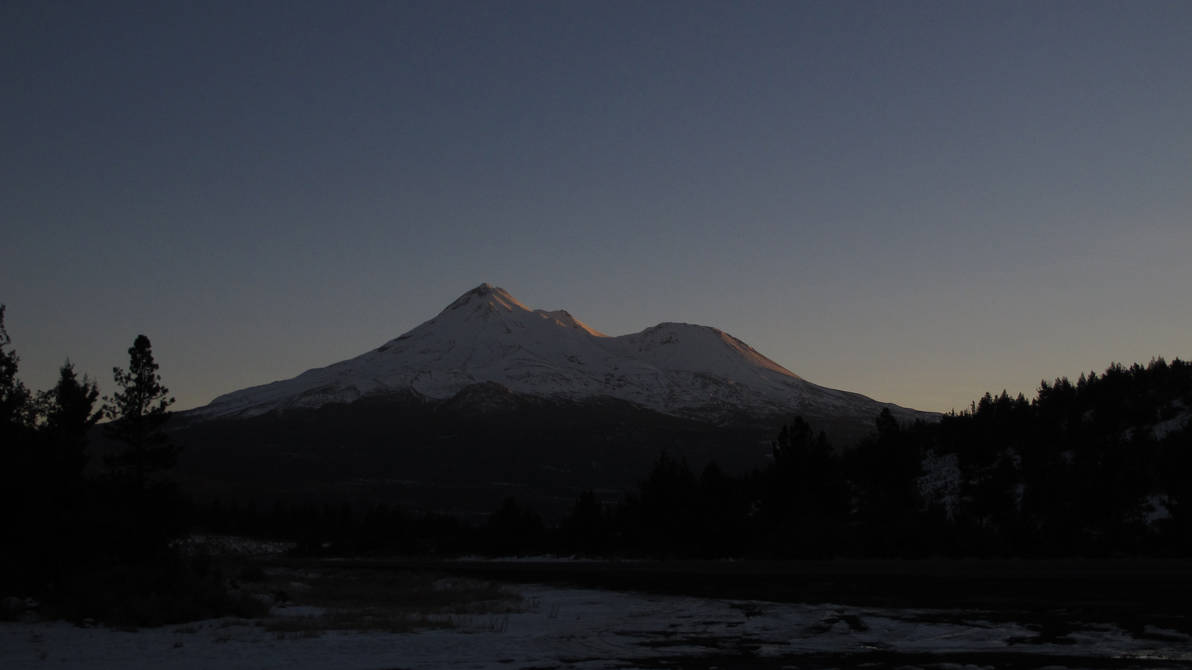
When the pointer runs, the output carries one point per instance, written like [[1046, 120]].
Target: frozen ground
[[584, 628]]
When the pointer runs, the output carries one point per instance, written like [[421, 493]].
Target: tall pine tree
[[15, 451], [66, 414], [147, 509], [61, 523], [14, 397], [139, 411]]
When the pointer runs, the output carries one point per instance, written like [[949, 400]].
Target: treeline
[[1099, 467], [90, 535]]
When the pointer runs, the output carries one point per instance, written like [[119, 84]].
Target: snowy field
[[552, 627]]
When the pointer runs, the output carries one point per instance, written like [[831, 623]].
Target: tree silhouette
[[885, 470], [585, 530], [15, 453], [138, 413], [513, 530], [146, 506], [14, 397], [806, 499], [66, 413], [667, 508]]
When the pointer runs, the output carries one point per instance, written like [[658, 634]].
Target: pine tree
[[14, 397], [65, 416], [15, 453], [67, 412], [138, 413], [146, 511], [807, 496]]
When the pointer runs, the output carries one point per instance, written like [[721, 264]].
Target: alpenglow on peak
[[486, 293]]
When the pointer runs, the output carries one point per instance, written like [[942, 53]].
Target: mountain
[[492, 399], [487, 337]]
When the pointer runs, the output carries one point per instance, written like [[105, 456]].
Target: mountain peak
[[486, 294]]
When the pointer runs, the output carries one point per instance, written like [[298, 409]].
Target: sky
[[918, 201]]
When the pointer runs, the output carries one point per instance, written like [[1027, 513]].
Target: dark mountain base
[[462, 456]]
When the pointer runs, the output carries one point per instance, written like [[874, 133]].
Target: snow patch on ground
[[231, 545], [561, 627]]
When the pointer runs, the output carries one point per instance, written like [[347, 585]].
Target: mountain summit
[[486, 336]]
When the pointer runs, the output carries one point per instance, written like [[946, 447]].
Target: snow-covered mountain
[[486, 336]]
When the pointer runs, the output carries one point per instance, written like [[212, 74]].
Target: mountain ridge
[[488, 336]]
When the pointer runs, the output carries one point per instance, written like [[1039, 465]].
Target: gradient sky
[[916, 201]]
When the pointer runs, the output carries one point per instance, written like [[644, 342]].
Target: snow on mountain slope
[[487, 335]]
